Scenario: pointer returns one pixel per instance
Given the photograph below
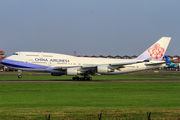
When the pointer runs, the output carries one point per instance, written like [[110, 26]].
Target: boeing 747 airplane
[[60, 64]]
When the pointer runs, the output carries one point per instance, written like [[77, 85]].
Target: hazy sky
[[91, 27]]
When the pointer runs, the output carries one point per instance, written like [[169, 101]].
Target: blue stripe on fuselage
[[20, 64]]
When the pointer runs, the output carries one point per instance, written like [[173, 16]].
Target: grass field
[[131, 76], [86, 100]]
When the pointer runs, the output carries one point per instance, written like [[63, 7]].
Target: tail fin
[[169, 63], [167, 59], [156, 51]]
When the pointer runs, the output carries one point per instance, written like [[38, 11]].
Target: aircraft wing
[[121, 65], [94, 69], [90, 67], [61, 68], [113, 65]]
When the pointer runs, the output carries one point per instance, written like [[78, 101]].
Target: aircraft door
[[49, 63], [137, 67], [26, 62], [78, 63]]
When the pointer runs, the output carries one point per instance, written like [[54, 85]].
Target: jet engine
[[103, 69], [72, 72]]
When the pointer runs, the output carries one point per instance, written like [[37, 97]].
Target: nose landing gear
[[19, 72], [19, 76]]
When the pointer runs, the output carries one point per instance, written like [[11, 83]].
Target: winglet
[[157, 50]]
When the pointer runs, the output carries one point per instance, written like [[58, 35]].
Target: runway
[[92, 81]]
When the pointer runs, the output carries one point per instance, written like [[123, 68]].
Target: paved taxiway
[[70, 81]]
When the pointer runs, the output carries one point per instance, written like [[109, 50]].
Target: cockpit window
[[15, 53]]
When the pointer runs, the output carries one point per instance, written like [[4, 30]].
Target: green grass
[[135, 76], [86, 100], [168, 75]]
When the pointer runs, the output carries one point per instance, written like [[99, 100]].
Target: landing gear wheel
[[19, 76], [75, 78], [90, 78], [85, 78], [81, 78]]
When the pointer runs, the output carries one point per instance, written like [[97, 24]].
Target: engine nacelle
[[56, 74], [102, 69], [72, 72]]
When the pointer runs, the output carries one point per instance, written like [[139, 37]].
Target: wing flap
[[155, 63], [122, 64]]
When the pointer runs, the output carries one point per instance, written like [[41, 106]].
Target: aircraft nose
[[3, 61]]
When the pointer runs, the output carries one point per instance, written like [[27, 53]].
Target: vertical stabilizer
[[169, 63], [156, 51], [167, 59]]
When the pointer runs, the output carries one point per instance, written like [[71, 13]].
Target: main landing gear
[[85, 78]]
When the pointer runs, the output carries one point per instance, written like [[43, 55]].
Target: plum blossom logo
[[156, 51]]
